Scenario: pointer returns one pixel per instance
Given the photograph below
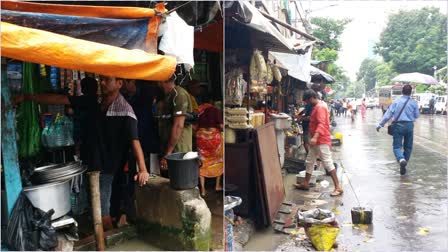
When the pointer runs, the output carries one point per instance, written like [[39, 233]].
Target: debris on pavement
[[318, 202], [423, 231], [323, 236], [244, 231], [320, 227], [324, 184], [336, 211], [361, 226]]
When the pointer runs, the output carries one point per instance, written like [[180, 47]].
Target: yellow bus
[[387, 95]]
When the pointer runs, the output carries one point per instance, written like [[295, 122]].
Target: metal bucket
[[54, 196], [184, 173]]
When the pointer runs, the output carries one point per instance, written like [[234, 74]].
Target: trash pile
[[29, 228], [321, 227]]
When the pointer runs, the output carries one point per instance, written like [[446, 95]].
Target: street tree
[[384, 74], [329, 31], [415, 40], [367, 73]]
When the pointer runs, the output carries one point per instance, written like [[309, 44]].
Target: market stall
[[256, 118], [41, 162]]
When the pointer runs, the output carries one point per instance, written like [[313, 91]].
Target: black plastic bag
[[29, 228]]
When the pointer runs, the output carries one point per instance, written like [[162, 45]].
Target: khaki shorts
[[322, 152]]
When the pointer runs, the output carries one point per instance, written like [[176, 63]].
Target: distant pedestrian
[[403, 113], [344, 106], [320, 142], [350, 109], [363, 108], [338, 107], [432, 103]]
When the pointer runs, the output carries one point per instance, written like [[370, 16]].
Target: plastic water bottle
[[54, 78]]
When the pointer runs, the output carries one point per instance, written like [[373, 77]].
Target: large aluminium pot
[[54, 196]]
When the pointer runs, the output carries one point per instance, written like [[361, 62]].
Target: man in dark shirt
[[112, 131], [89, 87], [305, 118]]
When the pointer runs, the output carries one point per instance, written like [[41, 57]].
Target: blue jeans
[[403, 140], [105, 192]]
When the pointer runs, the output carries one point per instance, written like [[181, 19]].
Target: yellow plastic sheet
[[323, 236], [37, 46]]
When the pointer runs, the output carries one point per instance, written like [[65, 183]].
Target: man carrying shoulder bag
[[403, 112]]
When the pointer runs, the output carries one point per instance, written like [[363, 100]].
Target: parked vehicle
[[372, 103], [441, 103], [423, 101], [387, 95]]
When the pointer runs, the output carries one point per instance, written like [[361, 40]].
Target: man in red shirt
[[320, 142]]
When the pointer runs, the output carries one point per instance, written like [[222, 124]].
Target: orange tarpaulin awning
[[37, 46], [80, 10]]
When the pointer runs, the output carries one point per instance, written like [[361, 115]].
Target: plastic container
[[230, 136], [183, 173], [301, 177], [282, 121], [294, 166], [362, 215]]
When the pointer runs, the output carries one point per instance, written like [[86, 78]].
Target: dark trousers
[[403, 138], [123, 188]]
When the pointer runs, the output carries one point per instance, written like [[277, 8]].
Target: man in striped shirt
[[111, 132]]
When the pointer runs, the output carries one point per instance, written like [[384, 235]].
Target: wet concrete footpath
[[409, 212]]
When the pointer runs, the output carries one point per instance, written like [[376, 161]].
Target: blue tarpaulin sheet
[[124, 33]]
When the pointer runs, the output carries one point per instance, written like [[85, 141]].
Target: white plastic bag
[[178, 39]]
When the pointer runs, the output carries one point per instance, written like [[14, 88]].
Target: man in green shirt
[[175, 134]]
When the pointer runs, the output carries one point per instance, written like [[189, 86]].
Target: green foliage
[[355, 89], [421, 88], [329, 31], [438, 89], [367, 73], [384, 73], [435, 89], [326, 54], [442, 75], [415, 41]]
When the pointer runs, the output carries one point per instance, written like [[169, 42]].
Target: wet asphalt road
[[410, 211]]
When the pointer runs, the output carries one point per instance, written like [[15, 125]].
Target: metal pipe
[[306, 35], [94, 179]]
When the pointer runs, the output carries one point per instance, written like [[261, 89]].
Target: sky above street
[[369, 18]]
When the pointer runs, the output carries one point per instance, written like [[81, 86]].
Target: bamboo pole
[[94, 179], [275, 20]]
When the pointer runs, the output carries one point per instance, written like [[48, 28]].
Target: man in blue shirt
[[404, 128]]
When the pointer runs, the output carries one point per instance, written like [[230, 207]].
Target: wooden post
[[13, 181], [94, 179]]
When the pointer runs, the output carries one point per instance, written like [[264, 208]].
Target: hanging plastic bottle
[[54, 78], [43, 71], [62, 75]]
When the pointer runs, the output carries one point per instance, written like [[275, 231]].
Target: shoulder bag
[[390, 128]]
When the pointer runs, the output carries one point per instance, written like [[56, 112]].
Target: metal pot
[[51, 196]]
